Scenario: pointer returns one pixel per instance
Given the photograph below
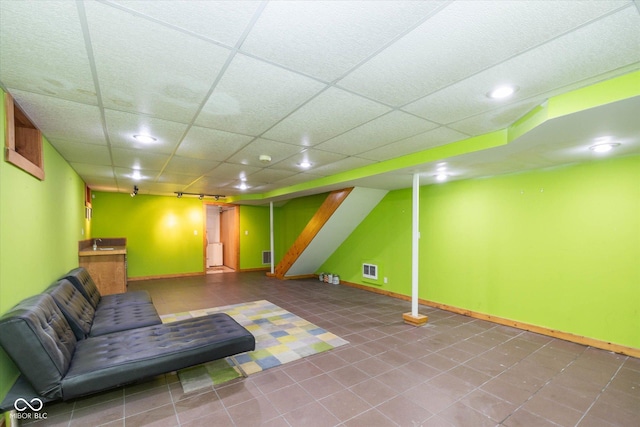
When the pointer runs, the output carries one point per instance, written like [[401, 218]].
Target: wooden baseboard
[[567, 336], [300, 276], [245, 270], [165, 276]]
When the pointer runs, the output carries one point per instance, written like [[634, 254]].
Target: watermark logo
[[22, 405]]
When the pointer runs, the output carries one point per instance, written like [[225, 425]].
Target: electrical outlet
[[385, 280]]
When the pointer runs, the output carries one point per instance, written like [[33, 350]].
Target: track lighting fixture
[[201, 196], [134, 193]]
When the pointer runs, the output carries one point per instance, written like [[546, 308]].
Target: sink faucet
[[95, 244]]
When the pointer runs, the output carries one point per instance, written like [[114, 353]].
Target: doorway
[[221, 243]]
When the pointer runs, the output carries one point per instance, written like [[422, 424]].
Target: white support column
[[414, 318], [415, 243], [271, 237]]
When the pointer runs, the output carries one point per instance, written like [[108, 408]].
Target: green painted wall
[[254, 236], [557, 248], [164, 234], [40, 225], [290, 219]]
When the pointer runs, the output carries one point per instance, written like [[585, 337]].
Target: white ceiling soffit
[[341, 85]]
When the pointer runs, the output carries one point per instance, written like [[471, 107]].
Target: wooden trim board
[[567, 336]]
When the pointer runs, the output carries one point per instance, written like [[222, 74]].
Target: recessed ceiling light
[[145, 139], [304, 165], [502, 92], [243, 186], [441, 177], [136, 175], [603, 148]]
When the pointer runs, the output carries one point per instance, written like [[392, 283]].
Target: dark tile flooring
[[454, 371]]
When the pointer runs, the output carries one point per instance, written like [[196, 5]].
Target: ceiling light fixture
[[243, 186], [134, 193], [264, 158], [441, 177], [305, 164], [145, 139], [179, 195], [502, 92], [604, 148]]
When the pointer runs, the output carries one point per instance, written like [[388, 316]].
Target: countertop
[[117, 250]]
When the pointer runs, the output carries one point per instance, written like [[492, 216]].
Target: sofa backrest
[[81, 279], [76, 309], [38, 339]]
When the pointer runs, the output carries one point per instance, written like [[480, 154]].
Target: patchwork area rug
[[281, 337]]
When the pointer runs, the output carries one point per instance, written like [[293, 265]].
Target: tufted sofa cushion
[[108, 320], [76, 309], [115, 359], [85, 321], [81, 279], [37, 337]]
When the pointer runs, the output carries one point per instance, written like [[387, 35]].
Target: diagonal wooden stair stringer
[[327, 230], [319, 219]]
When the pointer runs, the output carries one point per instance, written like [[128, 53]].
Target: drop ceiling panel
[[252, 96], [269, 175], [138, 159], [329, 114], [209, 185], [134, 175], [222, 21], [30, 38], [78, 122], [429, 139], [381, 131], [177, 180], [123, 126], [498, 118], [232, 171], [317, 158], [278, 151], [146, 67], [186, 166], [78, 152], [325, 39], [298, 179], [343, 165], [95, 171], [587, 52], [463, 39], [211, 144]]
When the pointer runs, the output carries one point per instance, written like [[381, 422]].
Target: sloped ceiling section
[[338, 85]]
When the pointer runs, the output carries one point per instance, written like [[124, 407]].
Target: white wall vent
[[370, 271], [266, 257]]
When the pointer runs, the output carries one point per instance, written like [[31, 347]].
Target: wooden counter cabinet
[[107, 268]]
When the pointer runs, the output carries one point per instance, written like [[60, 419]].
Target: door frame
[[235, 233]]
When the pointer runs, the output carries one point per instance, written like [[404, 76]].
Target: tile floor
[[455, 371]]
